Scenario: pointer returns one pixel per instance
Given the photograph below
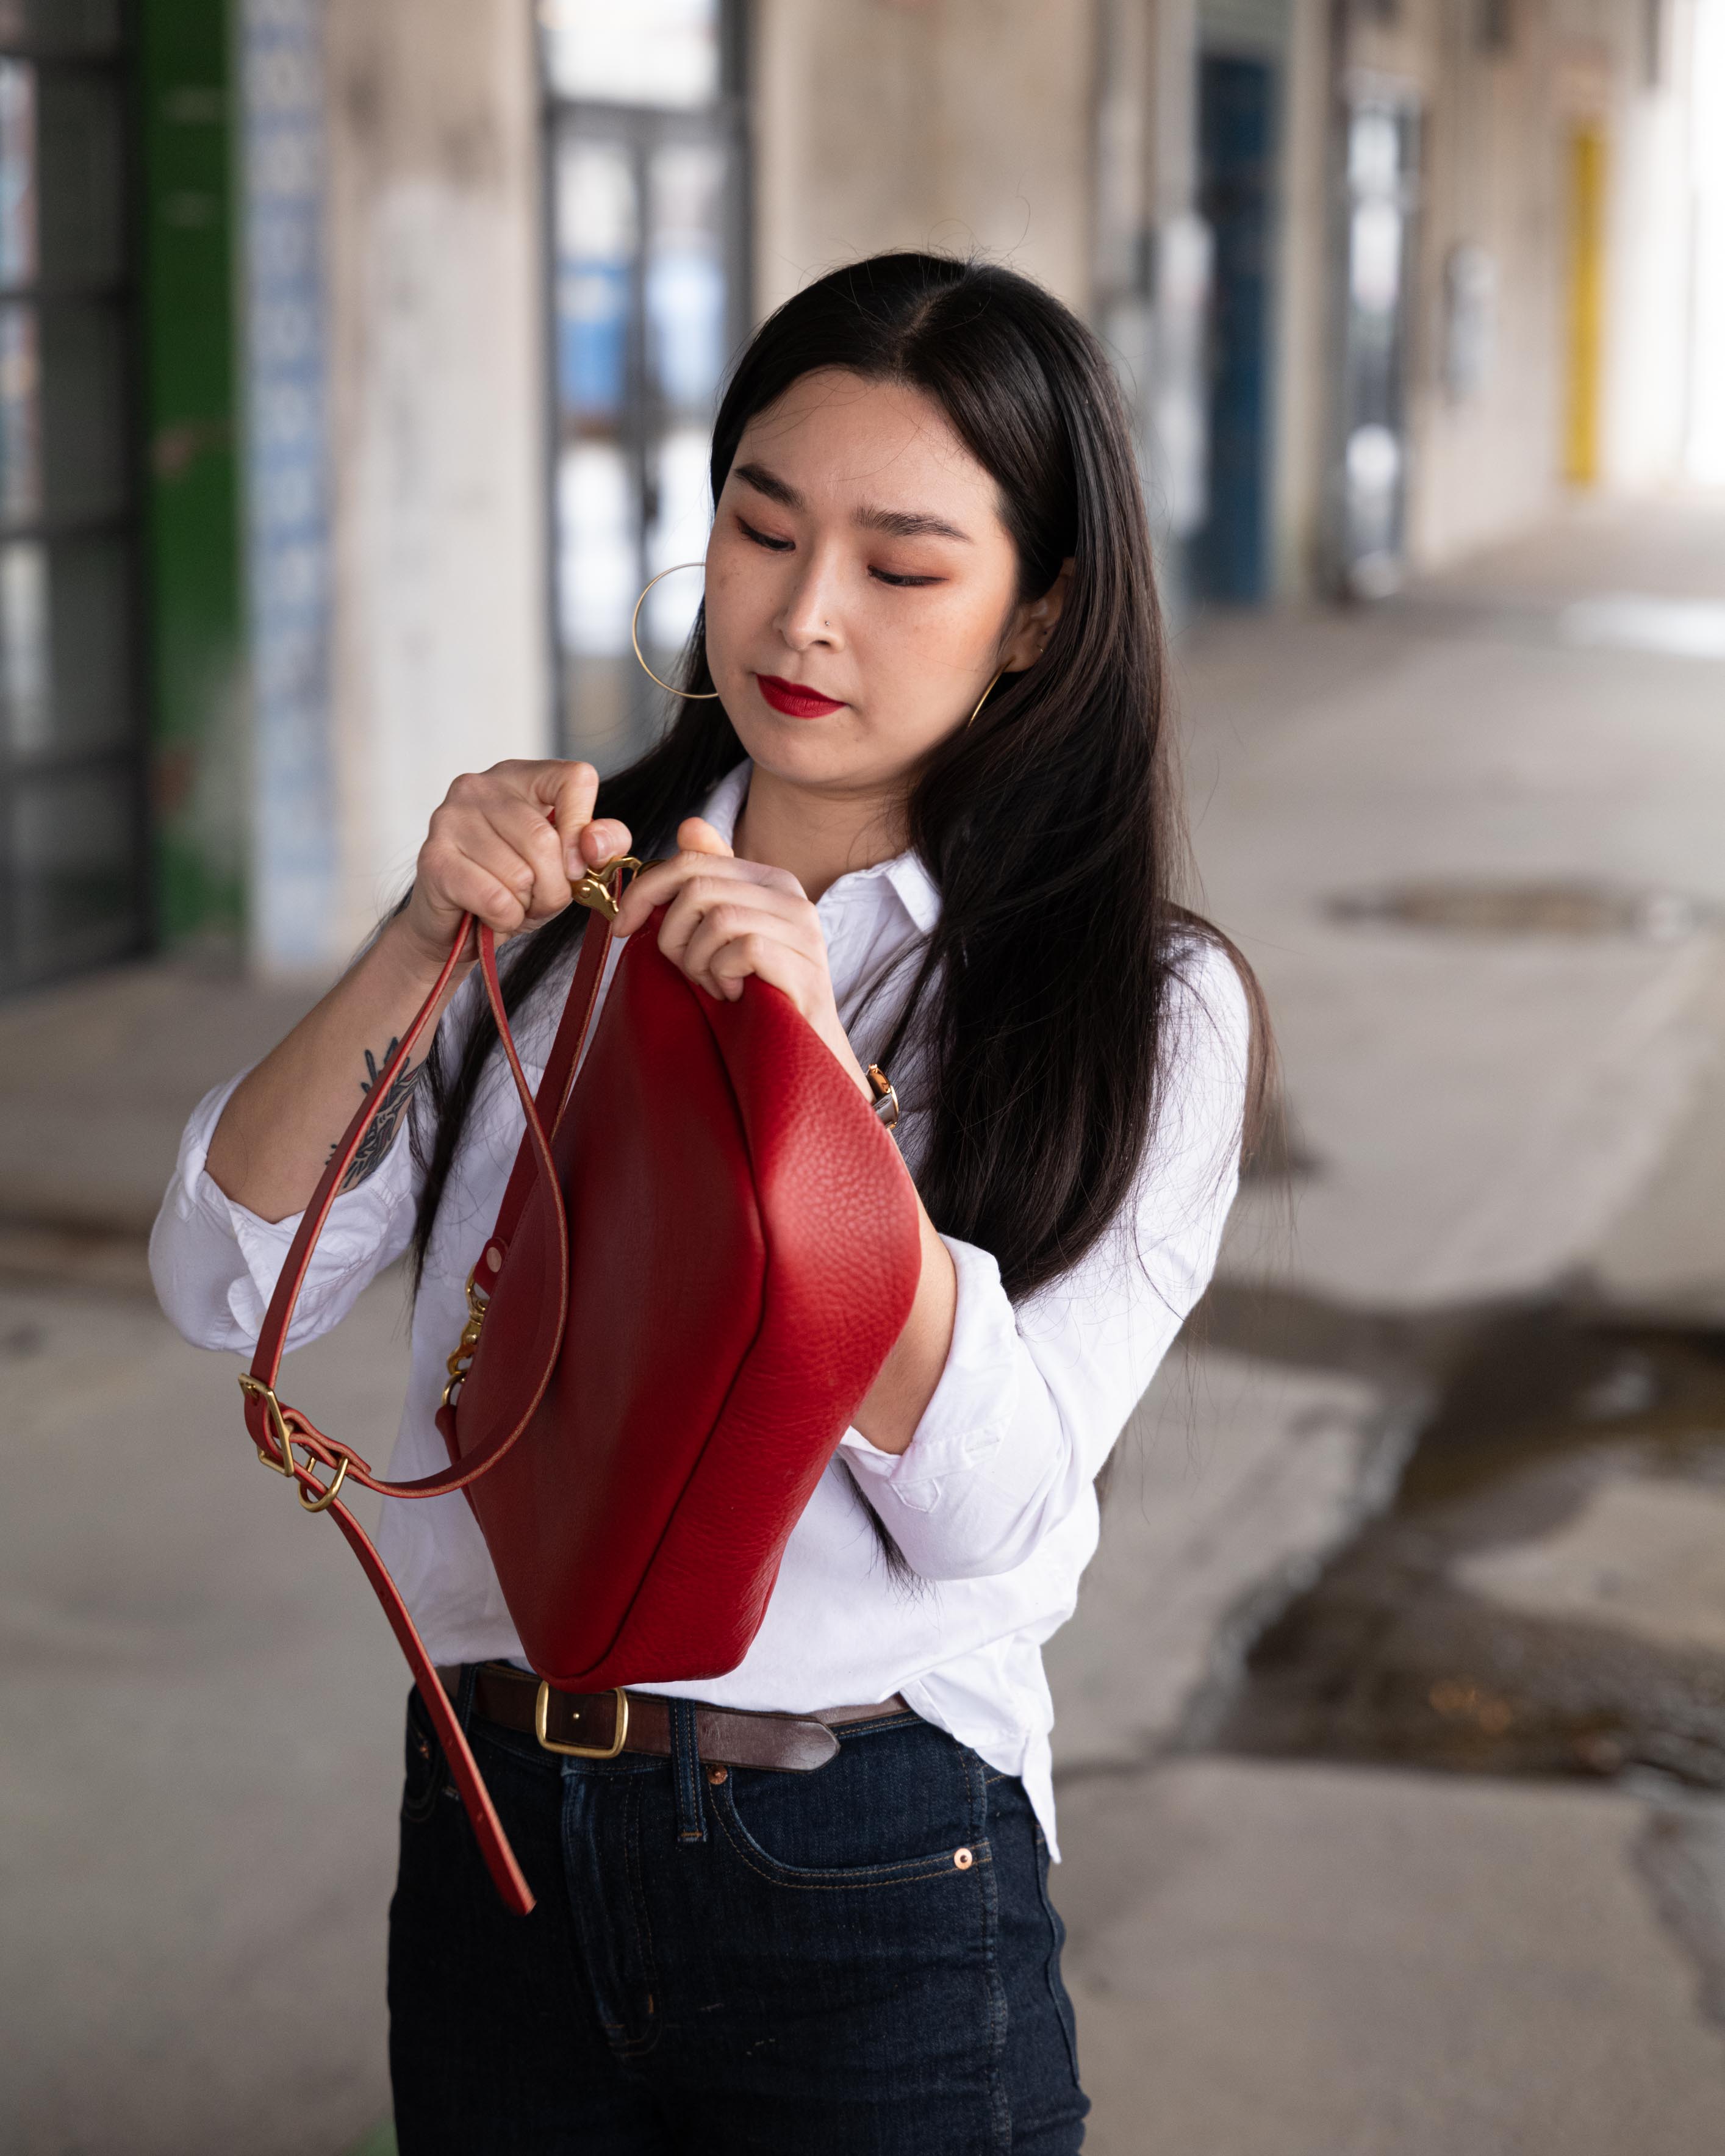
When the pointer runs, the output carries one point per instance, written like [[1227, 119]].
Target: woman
[[929, 801]]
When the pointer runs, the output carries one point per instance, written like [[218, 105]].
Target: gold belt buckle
[[541, 1712]]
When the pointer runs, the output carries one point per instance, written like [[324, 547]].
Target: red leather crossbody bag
[[706, 1248]]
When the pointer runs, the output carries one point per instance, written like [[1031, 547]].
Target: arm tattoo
[[379, 1139]]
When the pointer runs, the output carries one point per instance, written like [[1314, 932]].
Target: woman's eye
[[903, 583], [764, 538]]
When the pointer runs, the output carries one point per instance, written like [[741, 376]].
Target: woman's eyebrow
[[895, 523], [909, 524], [771, 484]]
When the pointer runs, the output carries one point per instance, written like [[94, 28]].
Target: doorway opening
[[647, 202]]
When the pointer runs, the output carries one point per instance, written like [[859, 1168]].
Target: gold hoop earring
[[983, 699], [694, 695]]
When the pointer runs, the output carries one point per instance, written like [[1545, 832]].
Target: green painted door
[[120, 721], [191, 557]]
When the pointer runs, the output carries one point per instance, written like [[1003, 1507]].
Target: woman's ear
[[1033, 624]]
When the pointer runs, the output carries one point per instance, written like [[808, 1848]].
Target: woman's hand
[[507, 844], [726, 919]]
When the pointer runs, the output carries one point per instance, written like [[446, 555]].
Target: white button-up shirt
[[992, 1503]]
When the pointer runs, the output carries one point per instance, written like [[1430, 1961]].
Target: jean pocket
[[424, 1772], [896, 1806]]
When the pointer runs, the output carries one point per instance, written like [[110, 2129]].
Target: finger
[[659, 884], [719, 927], [521, 825], [605, 840], [568, 791], [695, 835], [736, 898], [492, 881], [760, 958]]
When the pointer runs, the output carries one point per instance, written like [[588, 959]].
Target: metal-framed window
[[73, 875], [647, 189]]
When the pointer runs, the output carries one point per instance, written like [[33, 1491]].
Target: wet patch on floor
[[1546, 1594], [1570, 908]]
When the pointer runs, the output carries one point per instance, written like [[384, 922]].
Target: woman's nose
[[810, 614]]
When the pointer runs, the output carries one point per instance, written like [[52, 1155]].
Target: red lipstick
[[795, 700]]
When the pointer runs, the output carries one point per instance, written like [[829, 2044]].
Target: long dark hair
[[1051, 827]]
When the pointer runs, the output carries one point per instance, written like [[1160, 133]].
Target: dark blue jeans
[[804, 1964]]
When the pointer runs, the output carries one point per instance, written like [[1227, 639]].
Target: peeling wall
[[437, 304]]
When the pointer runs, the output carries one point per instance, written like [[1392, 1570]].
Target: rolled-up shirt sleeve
[[1033, 1395], [215, 1265]]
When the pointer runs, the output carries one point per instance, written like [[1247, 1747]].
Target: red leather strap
[[507, 1874], [555, 1084], [339, 1459], [534, 1159], [266, 1360]]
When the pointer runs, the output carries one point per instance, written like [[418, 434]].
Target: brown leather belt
[[599, 1725]]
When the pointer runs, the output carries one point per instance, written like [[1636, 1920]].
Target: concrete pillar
[[437, 304], [1651, 245], [291, 926], [1303, 299], [958, 125], [1153, 255]]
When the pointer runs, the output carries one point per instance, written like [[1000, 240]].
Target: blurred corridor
[[356, 362], [356, 356]]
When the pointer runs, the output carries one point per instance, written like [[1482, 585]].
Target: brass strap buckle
[[282, 1461], [598, 890], [542, 1713], [457, 1364]]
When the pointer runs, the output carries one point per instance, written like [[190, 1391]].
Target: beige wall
[[954, 123], [1490, 462], [1494, 176], [438, 421]]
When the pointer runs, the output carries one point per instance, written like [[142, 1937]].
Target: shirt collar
[[905, 873]]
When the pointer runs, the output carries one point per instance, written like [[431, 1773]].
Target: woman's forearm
[[277, 1131], [899, 1397]]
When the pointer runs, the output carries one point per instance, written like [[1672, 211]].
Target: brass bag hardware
[[459, 1362], [600, 889], [282, 1461]]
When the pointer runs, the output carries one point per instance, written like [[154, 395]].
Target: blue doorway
[[1236, 148]]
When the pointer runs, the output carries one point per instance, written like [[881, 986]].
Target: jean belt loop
[[685, 1772], [464, 1695]]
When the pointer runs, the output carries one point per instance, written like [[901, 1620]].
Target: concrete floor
[[200, 1709], [1348, 1963]]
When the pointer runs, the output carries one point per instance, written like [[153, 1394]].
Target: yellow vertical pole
[[1586, 193]]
